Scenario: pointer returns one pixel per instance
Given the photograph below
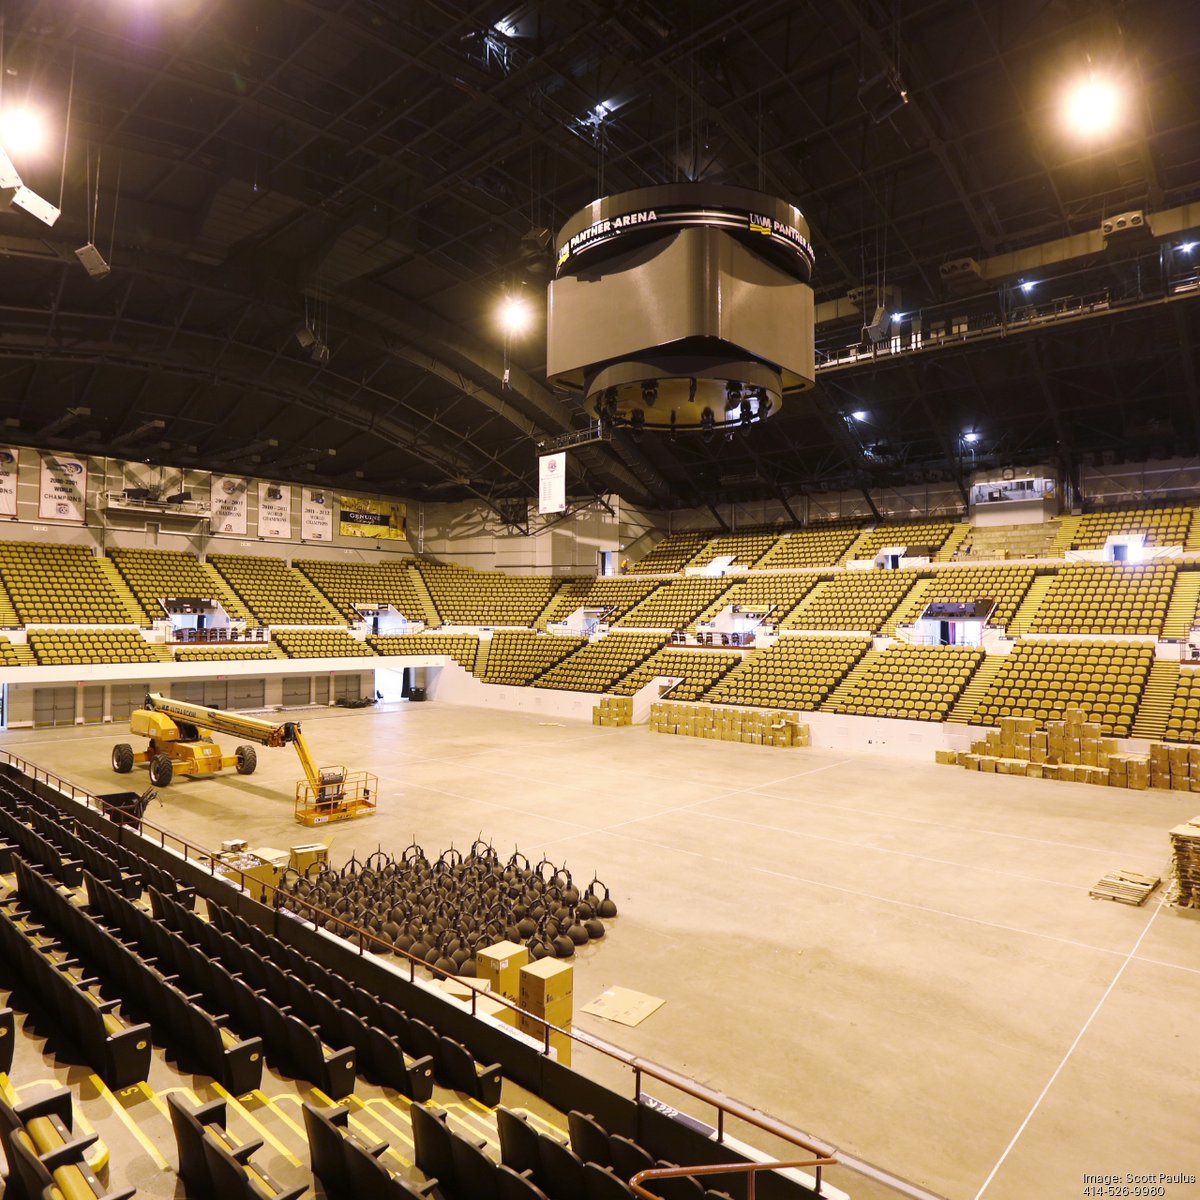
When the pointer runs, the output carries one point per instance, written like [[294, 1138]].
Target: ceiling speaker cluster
[[683, 306]]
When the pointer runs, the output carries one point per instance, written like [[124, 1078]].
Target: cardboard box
[[500, 966], [545, 981], [300, 858]]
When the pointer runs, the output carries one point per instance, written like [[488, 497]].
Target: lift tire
[[161, 770], [247, 760], [122, 758]]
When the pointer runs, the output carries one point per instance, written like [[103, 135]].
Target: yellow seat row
[[796, 672], [461, 647], [919, 683], [321, 643], [676, 604], [598, 665], [519, 656], [697, 670], [853, 600]]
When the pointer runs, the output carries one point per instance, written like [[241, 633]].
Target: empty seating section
[[59, 646], [321, 643], [465, 597], [814, 546], [8, 654], [854, 600], [744, 548], [698, 670], [1006, 586], [517, 656], [614, 595], [1041, 679], [1183, 722], [777, 594], [58, 585], [254, 652], [1106, 598], [461, 647], [598, 665], [930, 535], [672, 553], [796, 672], [917, 682], [675, 605], [345, 584], [154, 575], [1160, 526], [275, 594]]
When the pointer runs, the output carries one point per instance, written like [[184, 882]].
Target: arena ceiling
[[377, 171]]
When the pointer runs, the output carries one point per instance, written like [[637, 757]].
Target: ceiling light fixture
[[1093, 107], [516, 315]]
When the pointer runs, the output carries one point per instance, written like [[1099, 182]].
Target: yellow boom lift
[[179, 744]]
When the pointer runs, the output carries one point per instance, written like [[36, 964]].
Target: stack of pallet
[[613, 710], [1185, 844], [723, 724]]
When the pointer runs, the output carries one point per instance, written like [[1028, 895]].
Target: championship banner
[[552, 483], [361, 518], [63, 492], [316, 515], [10, 458], [274, 510], [227, 505]]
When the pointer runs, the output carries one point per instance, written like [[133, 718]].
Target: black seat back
[[589, 1139], [431, 1144], [474, 1172], [562, 1168], [602, 1184], [518, 1142], [326, 1147]]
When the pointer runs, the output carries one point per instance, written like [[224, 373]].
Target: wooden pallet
[[1126, 887]]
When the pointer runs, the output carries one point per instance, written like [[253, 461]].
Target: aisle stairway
[[1068, 526], [1181, 612], [8, 614], [230, 601], [910, 609], [843, 689], [957, 536], [973, 694], [137, 614], [1155, 706], [989, 543], [481, 657], [852, 550], [1192, 545], [433, 618], [24, 654], [1029, 606]]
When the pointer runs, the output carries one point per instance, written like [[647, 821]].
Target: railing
[[750, 1170], [821, 1155]]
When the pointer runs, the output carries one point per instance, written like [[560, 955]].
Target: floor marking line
[[351, 1119], [154, 1098], [269, 1101], [1071, 1048], [255, 1124], [368, 1107], [129, 1123]]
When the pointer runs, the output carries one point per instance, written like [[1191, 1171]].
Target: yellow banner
[[378, 519]]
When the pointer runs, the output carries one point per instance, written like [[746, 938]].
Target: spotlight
[[708, 423], [320, 353], [22, 132], [970, 437], [637, 422], [1028, 285], [746, 411], [1186, 247], [1093, 107], [306, 338], [859, 415], [516, 315]]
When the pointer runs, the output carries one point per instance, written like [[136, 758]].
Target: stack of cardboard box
[[722, 724], [1185, 843], [613, 710], [547, 991], [1075, 749], [499, 966]]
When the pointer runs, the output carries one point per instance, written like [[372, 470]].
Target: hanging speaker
[[93, 261], [876, 331]]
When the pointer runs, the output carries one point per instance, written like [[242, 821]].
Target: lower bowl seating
[[321, 643], [459, 646], [53, 647], [1041, 679], [598, 665], [697, 670], [796, 672], [920, 683], [518, 656], [1183, 722], [1106, 598]]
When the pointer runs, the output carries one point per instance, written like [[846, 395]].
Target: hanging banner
[[227, 505], [552, 483], [63, 492], [274, 510], [316, 515], [10, 458], [383, 519]]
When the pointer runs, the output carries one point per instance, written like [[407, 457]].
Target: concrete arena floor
[[901, 958]]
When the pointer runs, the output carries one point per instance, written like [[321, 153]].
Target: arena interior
[[303, 306]]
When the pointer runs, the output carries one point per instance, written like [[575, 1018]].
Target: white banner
[[63, 492], [274, 510], [552, 481], [10, 458], [316, 515], [227, 505]]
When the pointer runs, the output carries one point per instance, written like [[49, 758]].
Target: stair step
[[1157, 699], [1067, 528], [1028, 607], [137, 613], [231, 602], [1181, 610], [957, 536], [972, 695], [910, 607], [433, 618], [850, 680]]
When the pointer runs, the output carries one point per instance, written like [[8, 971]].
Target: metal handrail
[[725, 1106], [750, 1170]]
